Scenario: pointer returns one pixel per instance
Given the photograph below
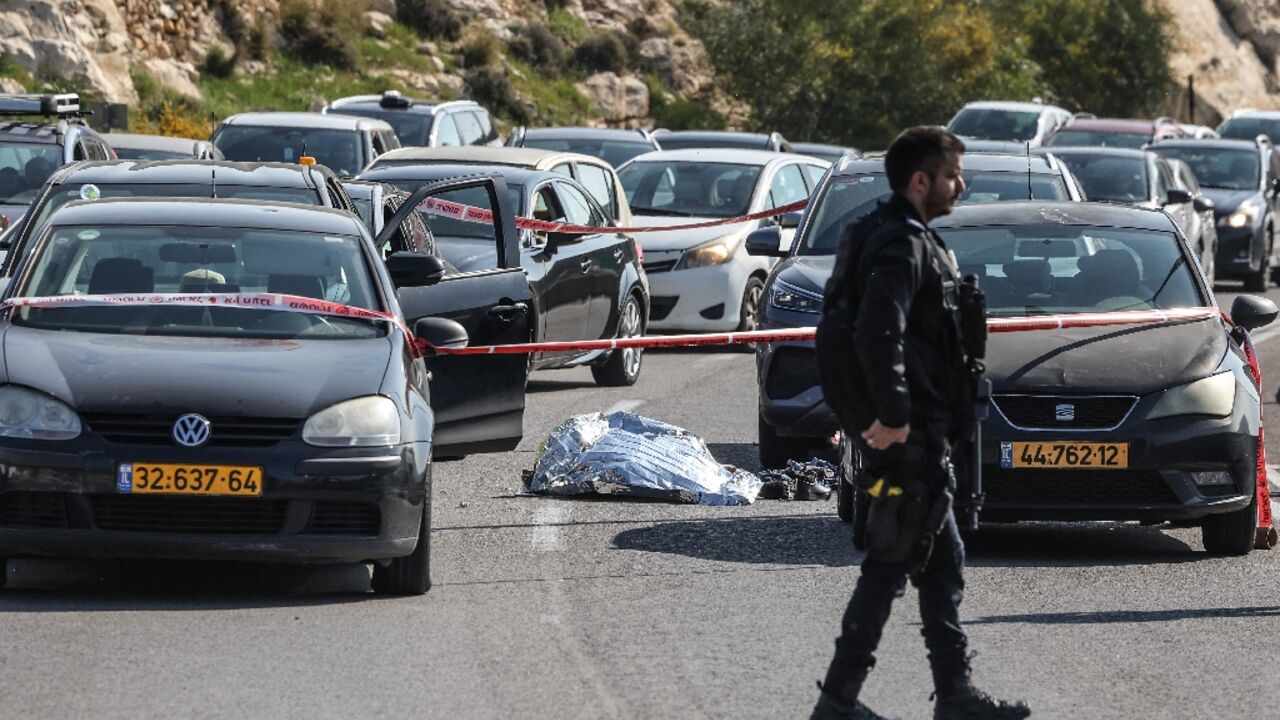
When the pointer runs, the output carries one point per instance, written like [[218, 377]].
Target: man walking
[[894, 370]]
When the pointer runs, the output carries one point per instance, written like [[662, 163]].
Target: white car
[[1018, 122], [703, 280]]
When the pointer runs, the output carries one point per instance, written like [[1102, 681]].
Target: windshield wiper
[[655, 211]]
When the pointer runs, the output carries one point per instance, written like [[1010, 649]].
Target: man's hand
[[879, 437]]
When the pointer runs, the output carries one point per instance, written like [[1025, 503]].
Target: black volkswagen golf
[[218, 379]]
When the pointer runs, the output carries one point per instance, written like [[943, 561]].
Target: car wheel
[[411, 574], [776, 450], [1231, 533], [623, 365], [749, 312], [861, 510], [1257, 281]]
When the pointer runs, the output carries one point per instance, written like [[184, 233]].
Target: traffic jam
[[269, 346]]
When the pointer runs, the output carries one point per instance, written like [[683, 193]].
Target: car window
[[133, 259], [545, 205], [486, 127], [379, 146], [98, 150], [787, 186], [468, 246], [996, 124], [447, 133], [564, 168], [1217, 167], [468, 128], [689, 188], [1005, 186], [339, 150], [577, 208], [1164, 180], [1108, 177], [24, 167], [1248, 128], [1187, 179], [814, 174], [1067, 137], [1056, 268], [410, 128], [599, 183]]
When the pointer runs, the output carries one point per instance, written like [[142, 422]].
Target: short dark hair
[[922, 148]]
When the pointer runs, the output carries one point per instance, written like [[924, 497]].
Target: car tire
[[623, 366], [411, 574], [749, 310], [844, 499], [1231, 533], [776, 450], [1257, 281], [861, 510]]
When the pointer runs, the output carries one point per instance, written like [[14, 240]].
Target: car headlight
[[1244, 215], [362, 422], [1214, 395], [716, 252], [786, 296], [26, 413]]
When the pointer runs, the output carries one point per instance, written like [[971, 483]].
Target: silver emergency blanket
[[627, 454]]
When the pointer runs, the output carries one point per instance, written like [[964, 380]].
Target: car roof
[[1041, 212], [821, 146], [151, 142], [565, 133], [1269, 114], [306, 120], [205, 212], [513, 175], [374, 102], [1091, 150], [164, 172], [1116, 125], [39, 132], [1218, 143], [485, 155], [1007, 105], [733, 156], [977, 162]]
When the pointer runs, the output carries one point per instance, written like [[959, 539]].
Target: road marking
[[624, 406], [545, 534]]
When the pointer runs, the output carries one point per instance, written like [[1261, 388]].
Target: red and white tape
[[473, 214]]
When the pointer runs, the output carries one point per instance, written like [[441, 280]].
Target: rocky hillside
[[1231, 47]]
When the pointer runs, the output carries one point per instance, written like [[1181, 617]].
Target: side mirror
[[1177, 196], [1202, 203], [414, 269], [441, 332], [1251, 311], [789, 220], [766, 241]]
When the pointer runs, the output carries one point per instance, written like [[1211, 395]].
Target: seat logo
[[191, 430], [1065, 412]]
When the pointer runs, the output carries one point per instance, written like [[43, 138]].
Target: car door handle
[[585, 265], [509, 313]]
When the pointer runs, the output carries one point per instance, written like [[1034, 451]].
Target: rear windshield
[[1247, 128], [23, 169], [1067, 138], [411, 128], [689, 188], [994, 124], [614, 152], [135, 260], [1054, 268], [1218, 168], [672, 142], [338, 150], [1110, 178]]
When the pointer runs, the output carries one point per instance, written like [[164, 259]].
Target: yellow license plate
[[1065, 455], [182, 479]]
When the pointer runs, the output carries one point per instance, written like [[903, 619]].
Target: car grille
[[1080, 488], [33, 510], [139, 429], [660, 266], [188, 515], [1088, 412], [335, 517], [661, 306], [792, 371]]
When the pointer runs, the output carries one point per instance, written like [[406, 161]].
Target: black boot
[[831, 707], [970, 703]]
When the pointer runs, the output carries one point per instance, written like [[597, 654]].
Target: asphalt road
[[546, 608]]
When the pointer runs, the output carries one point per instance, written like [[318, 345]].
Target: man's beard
[[937, 203]]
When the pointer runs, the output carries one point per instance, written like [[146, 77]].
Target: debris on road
[[630, 455], [809, 480]]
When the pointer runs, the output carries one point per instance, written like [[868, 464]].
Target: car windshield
[[848, 198], [1091, 138], [1216, 167], [64, 194], [1108, 177], [143, 260], [410, 127], [338, 150], [689, 188], [1248, 128], [23, 169], [995, 124], [614, 152], [1034, 269], [149, 154]]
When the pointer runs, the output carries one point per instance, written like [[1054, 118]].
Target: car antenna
[[213, 180]]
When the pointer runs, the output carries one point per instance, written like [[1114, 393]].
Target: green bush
[[604, 52], [432, 18], [680, 113], [320, 35], [11, 69], [217, 63], [566, 24], [480, 49], [538, 46], [491, 87]]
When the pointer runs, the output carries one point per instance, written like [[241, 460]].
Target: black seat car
[[140, 432], [614, 146], [584, 287], [419, 124], [30, 150]]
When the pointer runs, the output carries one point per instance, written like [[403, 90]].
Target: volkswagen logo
[[1065, 412], [191, 430]]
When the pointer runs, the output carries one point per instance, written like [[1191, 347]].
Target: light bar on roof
[[58, 105]]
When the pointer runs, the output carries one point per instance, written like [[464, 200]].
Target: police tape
[[1266, 536], [473, 214]]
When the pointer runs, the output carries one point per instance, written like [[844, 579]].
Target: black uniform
[[892, 319]]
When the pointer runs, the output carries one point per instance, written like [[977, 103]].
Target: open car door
[[478, 400]]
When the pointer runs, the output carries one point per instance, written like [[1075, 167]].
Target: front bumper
[[1235, 250], [705, 299], [787, 378], [316, 505]]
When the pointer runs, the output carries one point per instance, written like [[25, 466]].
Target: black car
[[584, 287], [419, 124], [614, 146], [714, 139], [275, 182], [30, 150], [251, 427], [1242, 178], [129, 146]]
